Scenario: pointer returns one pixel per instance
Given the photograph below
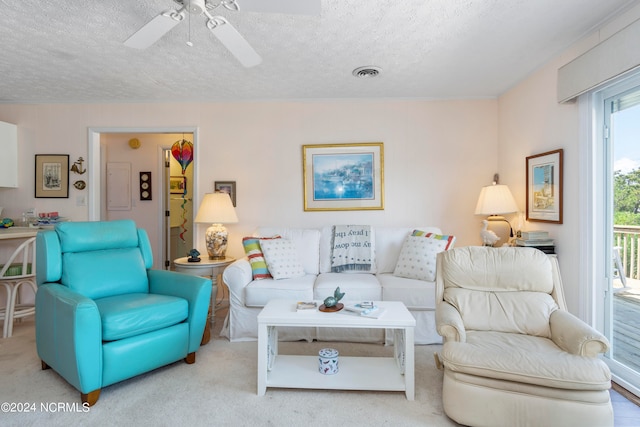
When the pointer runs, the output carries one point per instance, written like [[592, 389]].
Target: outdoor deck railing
[[627, 239]]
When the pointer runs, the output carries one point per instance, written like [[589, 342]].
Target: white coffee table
[[355, 373]]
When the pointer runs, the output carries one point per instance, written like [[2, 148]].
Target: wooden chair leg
[[91, 398], [44, 365], [191, 358]]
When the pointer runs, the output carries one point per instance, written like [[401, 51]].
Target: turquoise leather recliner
[[102, 314]]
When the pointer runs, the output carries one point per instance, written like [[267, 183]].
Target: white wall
[[531, 121], [437, 156]]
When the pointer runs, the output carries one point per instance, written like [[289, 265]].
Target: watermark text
[[50, 407]]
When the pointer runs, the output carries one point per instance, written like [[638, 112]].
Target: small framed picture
[[52, 176], [228, 187], [544, 187], [177, 184]]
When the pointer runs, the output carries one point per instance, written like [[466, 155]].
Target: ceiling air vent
[[367, 72]]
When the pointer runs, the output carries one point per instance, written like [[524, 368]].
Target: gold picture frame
[[343, 176], [52, 176], [544, 187]]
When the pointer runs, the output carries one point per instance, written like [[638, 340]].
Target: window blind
[[626, 101], [613, 57]]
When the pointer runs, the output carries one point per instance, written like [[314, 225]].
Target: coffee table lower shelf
[[355, 373]]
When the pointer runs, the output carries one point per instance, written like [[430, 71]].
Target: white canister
[[328, 361]]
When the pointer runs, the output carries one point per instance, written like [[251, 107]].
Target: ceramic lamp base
[[216, 240]]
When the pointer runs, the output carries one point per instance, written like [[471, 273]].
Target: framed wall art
[[228, 187], [544, 187], [52, 176], [177, 184], [145, 186], [343, 176]]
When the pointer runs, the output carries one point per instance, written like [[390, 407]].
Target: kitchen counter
[[17, 232]]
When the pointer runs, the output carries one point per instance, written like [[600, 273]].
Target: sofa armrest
[[196, 290], [449, 323], [576, 337], [237, 276], [69, 335]]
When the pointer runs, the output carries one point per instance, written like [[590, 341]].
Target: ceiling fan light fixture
[[235, 43], [196, 6], [367, 72]]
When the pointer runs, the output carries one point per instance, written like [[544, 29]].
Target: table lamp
[[496, 200], [216, 209]]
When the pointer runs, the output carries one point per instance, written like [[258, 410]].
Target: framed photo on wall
[[544, 187], [177, 184], [228, 187], [343, 176], [52, 176]]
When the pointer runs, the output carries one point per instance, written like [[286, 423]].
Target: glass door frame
[[597, 205]]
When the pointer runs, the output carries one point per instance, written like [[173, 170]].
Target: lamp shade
[[216, 208], [495, 200]]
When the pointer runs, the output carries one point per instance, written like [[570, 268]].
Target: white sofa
[[248, 296]]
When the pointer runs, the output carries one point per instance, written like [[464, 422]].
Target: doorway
[[178, 206], [155, 215]]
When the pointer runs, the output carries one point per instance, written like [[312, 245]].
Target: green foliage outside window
[[626, 198], [626, 212]]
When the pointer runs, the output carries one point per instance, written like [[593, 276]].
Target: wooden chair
[[618, 271]]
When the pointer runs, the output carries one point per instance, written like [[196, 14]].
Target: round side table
[[209, 268]]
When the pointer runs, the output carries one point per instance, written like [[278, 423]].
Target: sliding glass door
[[621, 306]]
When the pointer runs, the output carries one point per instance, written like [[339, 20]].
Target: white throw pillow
[[282, 258], [417, 259]]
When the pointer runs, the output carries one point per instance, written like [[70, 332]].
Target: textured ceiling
[[72, 51]]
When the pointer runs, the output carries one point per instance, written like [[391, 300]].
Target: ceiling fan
[[153, 30]]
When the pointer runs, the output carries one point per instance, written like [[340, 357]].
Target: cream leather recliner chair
[[512, 354]]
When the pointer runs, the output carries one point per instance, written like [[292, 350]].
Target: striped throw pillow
[[254, 253]]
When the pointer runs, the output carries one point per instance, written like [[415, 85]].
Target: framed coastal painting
[[228, 187], [544, 187], [343, 176], [52, 176]]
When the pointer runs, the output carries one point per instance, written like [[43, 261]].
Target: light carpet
[[218, 390]]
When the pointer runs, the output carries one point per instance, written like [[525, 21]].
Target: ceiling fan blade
[[153, 30], [234, 42], [293, 7]]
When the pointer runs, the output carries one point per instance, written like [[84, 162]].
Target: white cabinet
[[9, 157]]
